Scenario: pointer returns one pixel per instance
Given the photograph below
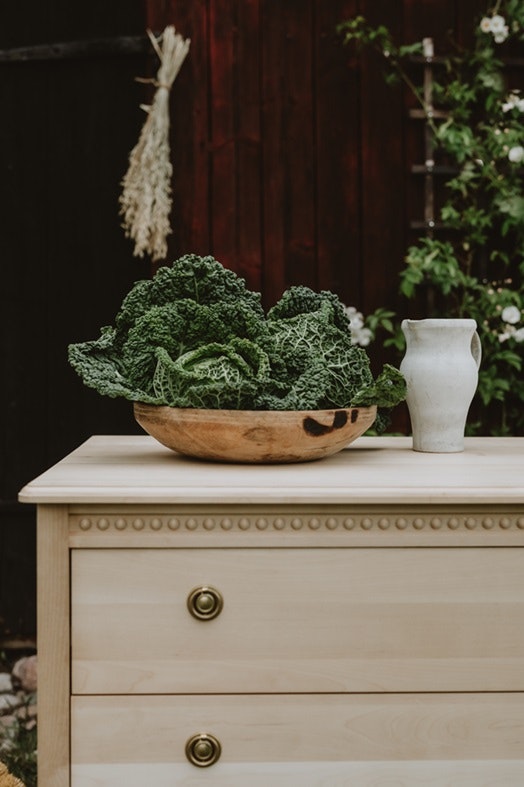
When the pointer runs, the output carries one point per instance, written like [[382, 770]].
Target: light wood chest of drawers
[[369, 625]]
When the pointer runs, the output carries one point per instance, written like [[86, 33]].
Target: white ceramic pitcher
[[441, 371]]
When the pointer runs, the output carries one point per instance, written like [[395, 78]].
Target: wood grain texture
[[337, 127], [373, 470], [293, 728], [255, 437], [299, 620], [53, 646], [441, 773], [397, 659]]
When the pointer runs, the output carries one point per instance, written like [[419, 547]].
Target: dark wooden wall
[[291, 165], [292, 155]]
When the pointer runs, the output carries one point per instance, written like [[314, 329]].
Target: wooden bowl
[[253, 436]]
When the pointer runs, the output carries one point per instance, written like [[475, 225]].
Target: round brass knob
[[203, 749], [205, 603]]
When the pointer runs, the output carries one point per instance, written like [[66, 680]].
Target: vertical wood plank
[[249, 143], [289, 186], [274, 275], [235, 134], [383, 169], [223, 34], [53, 643], [300, 205], [337, 154]]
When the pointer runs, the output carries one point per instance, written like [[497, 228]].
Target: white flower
[[495, 25], [359, 334], [498, 24], [355, 317], [516, 154], [513, 101], [510, 315], [519, 335], [361, 337]]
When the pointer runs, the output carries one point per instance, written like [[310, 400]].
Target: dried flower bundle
[[146, 199], [7, 779]]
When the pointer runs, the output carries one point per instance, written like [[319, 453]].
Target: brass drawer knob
[[205, 603], [203, 749]]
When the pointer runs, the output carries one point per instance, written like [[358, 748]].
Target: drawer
[[301, 741], [299, 620]]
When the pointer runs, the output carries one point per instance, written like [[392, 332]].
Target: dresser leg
[[53, 638]]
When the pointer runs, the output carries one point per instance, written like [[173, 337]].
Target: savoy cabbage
[[195, 336]]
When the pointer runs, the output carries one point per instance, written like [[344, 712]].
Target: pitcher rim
[[431, 322]]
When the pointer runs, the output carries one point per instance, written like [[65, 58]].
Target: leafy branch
[[476, 267]]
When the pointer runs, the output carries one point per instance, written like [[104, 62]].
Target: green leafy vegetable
[[386, 391], [312, 337], [179, 327], [214, 376], [195, 336], [302, 300], [101, 367]]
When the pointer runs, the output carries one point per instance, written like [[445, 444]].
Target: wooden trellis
[[429, 169]]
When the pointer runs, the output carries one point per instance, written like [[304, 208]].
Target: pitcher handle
[[476, 348]]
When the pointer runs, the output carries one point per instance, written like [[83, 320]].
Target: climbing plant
[[474, 265]]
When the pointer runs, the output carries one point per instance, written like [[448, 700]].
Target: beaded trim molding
[[297, 522]]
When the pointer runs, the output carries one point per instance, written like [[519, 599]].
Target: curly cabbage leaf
[[179, 327], [193, 302], [301, 391], [309, 340], [214, 376], [101, 367], [201, 279], [386, 391], [195, 336], [300, 299]]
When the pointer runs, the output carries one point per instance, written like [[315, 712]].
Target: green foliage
[[19, 749], [434, 261], [476, 268], [194, 336]]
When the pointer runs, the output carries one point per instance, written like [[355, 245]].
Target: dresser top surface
[[373, 470]]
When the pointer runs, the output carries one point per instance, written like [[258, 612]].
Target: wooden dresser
[[356, 621]]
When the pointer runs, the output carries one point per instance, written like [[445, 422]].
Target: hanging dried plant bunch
[[146, 198]]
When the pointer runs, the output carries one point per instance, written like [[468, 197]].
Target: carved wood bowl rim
[[254, 436]]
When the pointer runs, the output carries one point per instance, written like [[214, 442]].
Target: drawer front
[[299, 740], [300, 620]]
